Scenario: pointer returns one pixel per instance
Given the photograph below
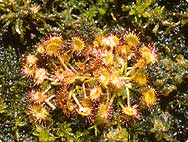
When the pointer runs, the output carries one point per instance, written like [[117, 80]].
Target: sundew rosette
[[90, 80]]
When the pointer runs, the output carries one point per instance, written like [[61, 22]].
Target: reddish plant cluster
[[92, 80]]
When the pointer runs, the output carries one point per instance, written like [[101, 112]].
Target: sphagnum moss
[[91, 79]]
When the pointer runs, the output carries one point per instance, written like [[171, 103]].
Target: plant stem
[[84, 90], [47, 101], [112, 99], [125, 67], [121, 105], [128, 97], [62, 62], [45, 91], [76, 100]]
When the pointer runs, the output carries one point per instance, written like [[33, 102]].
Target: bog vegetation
[[93, 70]]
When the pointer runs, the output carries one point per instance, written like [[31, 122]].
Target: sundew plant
[[90, 79]]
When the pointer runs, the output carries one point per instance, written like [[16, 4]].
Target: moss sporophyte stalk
[[92, 79]]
